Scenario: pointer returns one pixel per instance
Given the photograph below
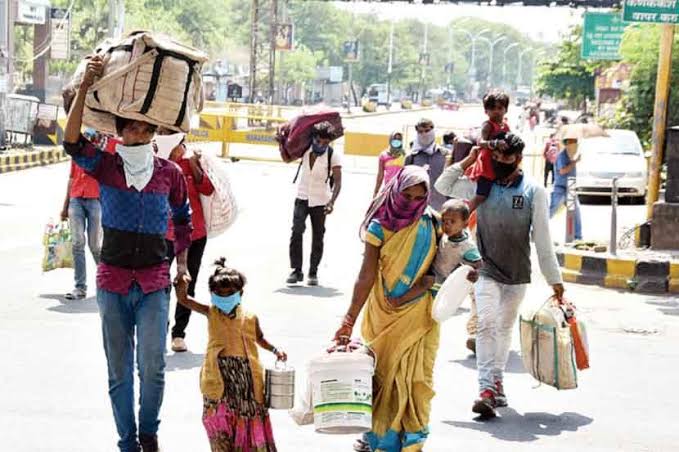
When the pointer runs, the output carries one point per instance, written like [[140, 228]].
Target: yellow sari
[[405, 340]]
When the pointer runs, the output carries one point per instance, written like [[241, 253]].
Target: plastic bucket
[[342, 392]]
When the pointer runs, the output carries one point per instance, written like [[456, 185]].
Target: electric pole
[[254, 21], [272, 54], [116, 18], [390, 63], [6, 25], [424, 61]]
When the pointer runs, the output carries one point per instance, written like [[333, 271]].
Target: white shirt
[[313, 185]]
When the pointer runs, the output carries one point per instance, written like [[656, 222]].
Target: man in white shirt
[[320, 182]]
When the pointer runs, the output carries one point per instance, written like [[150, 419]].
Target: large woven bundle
[[147, 77], [547, 347]]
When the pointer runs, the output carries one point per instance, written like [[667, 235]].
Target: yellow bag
[[58, 247]]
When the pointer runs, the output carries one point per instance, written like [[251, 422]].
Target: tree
[[639, 49], [297, 67], [567, 76]]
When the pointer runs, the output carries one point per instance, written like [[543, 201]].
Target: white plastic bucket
[[342, 392]]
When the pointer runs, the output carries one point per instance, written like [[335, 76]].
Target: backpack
[[330, 179], [294, 137], [147, 77]]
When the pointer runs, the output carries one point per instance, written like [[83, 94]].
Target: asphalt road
[[54, 387]]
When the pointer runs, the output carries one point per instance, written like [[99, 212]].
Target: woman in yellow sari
[[400, 235]]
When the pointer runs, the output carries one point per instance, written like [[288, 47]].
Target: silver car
[[605, 158]]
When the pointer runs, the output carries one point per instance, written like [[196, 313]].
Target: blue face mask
[[396, 144], [318, 149], [226, 304]]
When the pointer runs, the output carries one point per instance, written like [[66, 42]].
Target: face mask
[[503, 170], [426, 138], [137, 163], [167, 143], [318, 149], [90, 133], [396, 144], [226, 304]]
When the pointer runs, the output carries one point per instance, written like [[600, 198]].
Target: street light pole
[[519, 75], [450, 54], [424, 66], [390, 63], [504, 61], [490, 60]]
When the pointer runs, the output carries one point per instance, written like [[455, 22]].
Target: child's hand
[[502, 145], [473, 275], [182, 286], [281, 355], [394, 302]]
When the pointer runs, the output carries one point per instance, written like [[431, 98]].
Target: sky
[[540, 23]]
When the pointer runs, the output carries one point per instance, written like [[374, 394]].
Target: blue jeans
[[559, 199], [120, 316], [85, 215]]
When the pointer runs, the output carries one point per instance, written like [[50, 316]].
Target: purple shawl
[[391, 208]]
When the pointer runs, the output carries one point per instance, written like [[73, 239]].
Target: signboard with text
[[60, 34], [602, 35], [350, 51], [284, 36], [31, 12], [653, 11]]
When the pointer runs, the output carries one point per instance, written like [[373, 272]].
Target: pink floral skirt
[[236, 422]]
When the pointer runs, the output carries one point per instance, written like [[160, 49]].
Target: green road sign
[[601, 36], [654, 11]]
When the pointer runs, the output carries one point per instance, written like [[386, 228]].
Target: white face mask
[[138, 164], [167, 143], [427, 138]]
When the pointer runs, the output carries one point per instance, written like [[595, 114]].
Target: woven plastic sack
[[221, 208], [147, 77], [547, 347], [58, 246]]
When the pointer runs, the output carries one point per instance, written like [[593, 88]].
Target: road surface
[[54, 386]]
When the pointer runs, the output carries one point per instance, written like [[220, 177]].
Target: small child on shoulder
[[493, 132]]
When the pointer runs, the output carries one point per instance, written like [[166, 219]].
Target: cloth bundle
[[147, 77]]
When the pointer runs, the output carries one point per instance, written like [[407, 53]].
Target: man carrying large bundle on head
[[133, 282]]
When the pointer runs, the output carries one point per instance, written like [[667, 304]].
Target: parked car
[[605, 158]]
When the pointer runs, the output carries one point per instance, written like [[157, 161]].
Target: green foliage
[[640, 49], [567, 76], [222, 28], [297, 66]]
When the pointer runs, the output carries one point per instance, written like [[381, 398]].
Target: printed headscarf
[[391, 208]]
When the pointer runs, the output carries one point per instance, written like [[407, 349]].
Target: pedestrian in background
[[565, 167], [83, 210], [320, 182], [550, 153], [390, 161], [424, 152], [171, 145]]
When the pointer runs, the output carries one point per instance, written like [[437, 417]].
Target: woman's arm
[[362, 287], [416, 291]]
